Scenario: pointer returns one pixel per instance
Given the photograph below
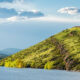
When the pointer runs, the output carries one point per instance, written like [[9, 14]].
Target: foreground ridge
[[61, 51]]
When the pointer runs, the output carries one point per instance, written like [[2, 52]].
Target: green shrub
[[49, 65]]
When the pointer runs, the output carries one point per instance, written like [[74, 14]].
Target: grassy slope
[[61, 51]]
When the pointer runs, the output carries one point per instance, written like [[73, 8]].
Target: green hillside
[[61, 51]]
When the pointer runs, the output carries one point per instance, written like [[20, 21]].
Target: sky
[[24, 23]]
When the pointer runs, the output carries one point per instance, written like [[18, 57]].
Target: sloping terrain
[[61, 51]]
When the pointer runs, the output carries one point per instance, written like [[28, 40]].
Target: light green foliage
[[50, 65], [17, 63]]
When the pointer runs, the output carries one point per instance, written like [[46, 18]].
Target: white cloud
[[18, 5], [21, 7], [18, 8], [17, 19], [56, 19], [5, 13], [43, 19], [69, 10], [14, 18]]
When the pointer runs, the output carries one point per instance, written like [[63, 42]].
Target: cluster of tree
[[17, 63]]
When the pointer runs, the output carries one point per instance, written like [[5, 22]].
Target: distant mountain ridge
[[3, 56], [60, 51], [7, 52], [10, 51]]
